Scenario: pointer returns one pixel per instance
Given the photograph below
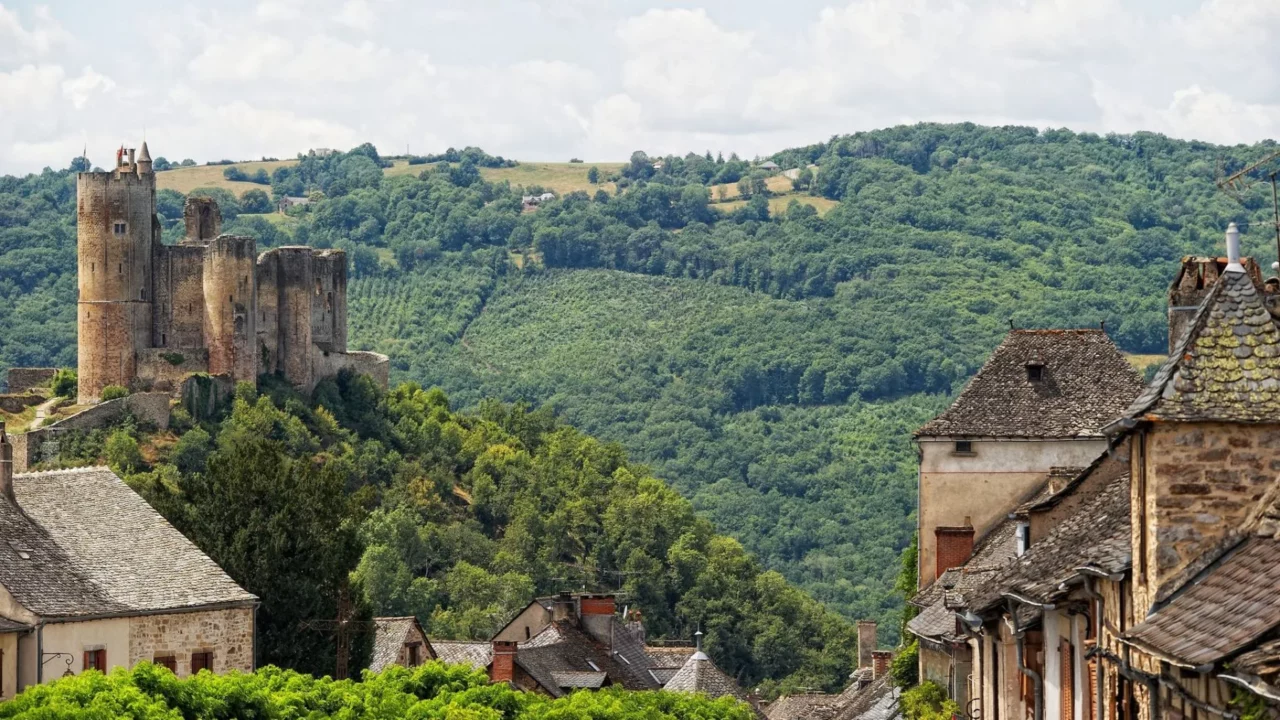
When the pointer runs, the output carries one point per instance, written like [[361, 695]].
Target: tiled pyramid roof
[[1226, 368], [1086, 383]]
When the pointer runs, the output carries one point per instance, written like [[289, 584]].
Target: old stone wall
[[40, 444], [115, 238], [1195, 484], [202, 219], [165, 369], [179, 303], [328, 302], [227, 634], [230, 297], [14, 404], [375, 365], [268, 274], [204, 395], [20, 379], [297, 287]]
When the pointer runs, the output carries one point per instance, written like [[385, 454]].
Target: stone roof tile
[[1086, 383]]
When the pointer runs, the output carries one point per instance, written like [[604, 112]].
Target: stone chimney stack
[[880, 660], [1233, 249], [562, 608], [866, 642], [503, 668], [6, 466]]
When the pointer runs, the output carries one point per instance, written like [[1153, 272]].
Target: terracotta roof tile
[[1087, 382]]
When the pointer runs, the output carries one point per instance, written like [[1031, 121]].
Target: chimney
[[6, 466], [1233, 249], [866, 642], [954, 545], [635, 625], [132, 151], [880, 660], [598, 605], [562, 608], [503, 668]]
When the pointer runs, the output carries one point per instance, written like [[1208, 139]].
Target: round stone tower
[[230, 302], [116, 229]]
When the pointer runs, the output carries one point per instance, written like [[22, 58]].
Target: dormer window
[[1035, 372]]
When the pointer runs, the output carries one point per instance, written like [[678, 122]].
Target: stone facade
[[226, 634], [151, 314], [1193, 484], [20, 379]]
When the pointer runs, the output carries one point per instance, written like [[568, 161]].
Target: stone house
[[1145, 586], [870, 694], [92, 578], [399, 641]]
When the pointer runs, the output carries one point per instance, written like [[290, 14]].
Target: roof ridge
[[64, 471]]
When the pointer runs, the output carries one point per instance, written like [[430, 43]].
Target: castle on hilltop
[[150, 315]]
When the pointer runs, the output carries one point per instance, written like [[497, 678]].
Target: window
[[415, 654], [1023, 537], [1035, 372], [167, 661], [201, 661], [95, 660], [964, 447], [119, 228]]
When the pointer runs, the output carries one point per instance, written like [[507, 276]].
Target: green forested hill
[[769, 366]]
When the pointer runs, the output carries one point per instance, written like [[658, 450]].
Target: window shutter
[[1066, 656], [88, 660]]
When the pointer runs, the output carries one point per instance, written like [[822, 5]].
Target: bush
[[928, 701], [114, 392], [122, 453], [434, 690], [905, 668], [64, 383]]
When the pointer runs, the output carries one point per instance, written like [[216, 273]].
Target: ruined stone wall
[[41, 444], [20, 379], [297, 288], [326, 365], [1193, 484], [268, 274], [328, 301], [230, 302], [227, 634], [202, 219], [179, 301], [115, 237], [164, 369]]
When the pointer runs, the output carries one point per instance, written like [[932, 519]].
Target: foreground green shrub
[[928, 701], [64, 383], [114, 392], [432, 691]]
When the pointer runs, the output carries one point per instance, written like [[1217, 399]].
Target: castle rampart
[[151, 314]]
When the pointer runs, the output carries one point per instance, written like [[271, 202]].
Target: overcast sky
[[596, 79]]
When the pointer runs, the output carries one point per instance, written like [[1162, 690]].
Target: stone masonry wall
[[228, 634], [26, 378], [1202, 480]]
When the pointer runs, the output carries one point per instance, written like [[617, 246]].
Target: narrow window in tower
[[119, 228], [164, 341], [328, 302], [142, 294], [93, 267], [317, 286]]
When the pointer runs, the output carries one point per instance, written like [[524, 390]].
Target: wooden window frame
[[94, 660], [205, 658], [167, 661]]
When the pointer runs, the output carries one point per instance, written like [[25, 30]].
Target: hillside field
[[186, 179]]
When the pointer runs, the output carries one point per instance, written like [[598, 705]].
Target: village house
[[1144, 584], [399, 641], [870, 694], [92, 578]]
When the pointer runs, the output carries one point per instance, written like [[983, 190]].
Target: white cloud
[[550, 79], [19, 43]]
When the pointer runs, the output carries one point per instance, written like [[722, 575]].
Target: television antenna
[[1235, 185]]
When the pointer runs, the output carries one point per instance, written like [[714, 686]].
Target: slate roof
[[563, 648], [810, 706], [877, 701], [1087, 383], [389, 636], [1221, 613], [579, 679], [93, 546], [476, 653], [1263, 662], [1096, 536], [700, 675], [1226, 368]]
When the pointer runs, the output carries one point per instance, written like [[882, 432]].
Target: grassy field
[[560, 178], [779, 203], [186, 179], [777, 185]]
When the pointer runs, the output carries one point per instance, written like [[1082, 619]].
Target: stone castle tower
[[151, 314]]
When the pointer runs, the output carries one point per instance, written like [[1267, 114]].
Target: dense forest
[[412, 508], [768, 365]]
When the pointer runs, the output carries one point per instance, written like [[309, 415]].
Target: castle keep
[[151, 314]]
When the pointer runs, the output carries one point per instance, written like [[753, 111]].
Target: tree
[[803, 180], [64, 383], [187, 162], [255, 202], [161, 163], [122, 453], [593, 175]]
